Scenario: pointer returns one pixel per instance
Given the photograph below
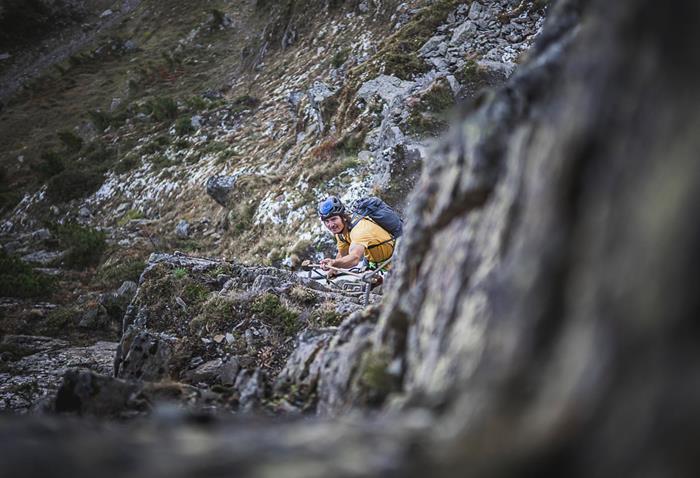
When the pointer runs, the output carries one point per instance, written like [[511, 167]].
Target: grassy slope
[[64, 98]]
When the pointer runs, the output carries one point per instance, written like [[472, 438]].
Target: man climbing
[[356, 237]]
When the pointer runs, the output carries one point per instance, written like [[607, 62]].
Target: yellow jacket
[[379, 245]]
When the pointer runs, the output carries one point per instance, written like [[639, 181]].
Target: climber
[[357, 237]]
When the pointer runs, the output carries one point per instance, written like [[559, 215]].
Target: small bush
[[71, 141], [73, 183], [114, 275], [158, 144], [18, 279], [97, 153], [162, 108], [58, 322], [195, 293], [180, 273], [340, 57], [100, 119], [244, 102], [84, 245], [404, 65], [127, 163], [51, 163], [183, 125], [196, 103]]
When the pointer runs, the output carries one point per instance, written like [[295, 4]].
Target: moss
[[374, 376], [325, 317], [84, 245], [100, 119], [468, 73], [97, 153], [438, 98], [18, 279], [196, 103], [404, 65], [194, 293], [269, 308]]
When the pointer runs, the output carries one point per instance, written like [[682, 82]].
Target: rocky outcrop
[[32, 368], [238, 337]]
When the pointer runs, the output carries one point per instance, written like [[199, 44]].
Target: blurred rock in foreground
[[543, 322]]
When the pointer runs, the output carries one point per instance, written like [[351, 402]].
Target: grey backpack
[[379, 212]]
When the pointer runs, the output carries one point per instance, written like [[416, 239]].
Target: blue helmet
[[331, 206]]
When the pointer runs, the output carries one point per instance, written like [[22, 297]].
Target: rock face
[[32, 368], [232, 328], [542, 320]]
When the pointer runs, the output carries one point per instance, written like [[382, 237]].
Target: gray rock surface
[[32, 367], [220, 188], [182, 229]]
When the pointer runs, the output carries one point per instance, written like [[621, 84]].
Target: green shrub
[[84, 245], [126, 164], [58, 322], [73, 183], [114, 275], [162, 108], [18, 279], [51, 163], [183, 125], [158, 144], [340, 57], [97, 153], [196, 103], [195, 293], [71, 141], [100, 119], [180, 273], [244, 102], [468, 73]]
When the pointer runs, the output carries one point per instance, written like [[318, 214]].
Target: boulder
[[464, 32], [182, 229], [219, 188], [386, 87]]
